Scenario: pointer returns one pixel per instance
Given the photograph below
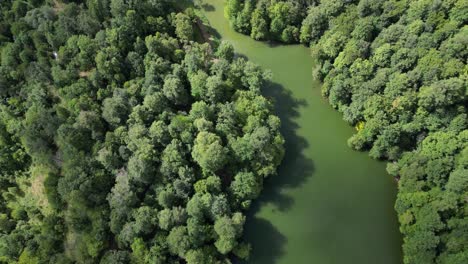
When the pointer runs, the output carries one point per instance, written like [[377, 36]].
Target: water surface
[[328, 203]]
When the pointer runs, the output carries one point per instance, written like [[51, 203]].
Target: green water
[[328, 203]]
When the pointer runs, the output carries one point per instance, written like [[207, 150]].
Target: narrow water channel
[[328, 204]]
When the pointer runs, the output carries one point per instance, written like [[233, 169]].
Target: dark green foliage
[[121, 138], [397, 70]]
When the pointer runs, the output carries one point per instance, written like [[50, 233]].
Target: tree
[[199, 231], [215, 89], [225, 51], [115, 109], [242, 20], [198, 84], [201, 109], [196, 207], [109, 64], [282, 14], [246, 186], [232, 8], [120, 200], [145, 219], [200, 256], [183, 27], [208, 152], [260, 22], [313, 25], [178, 241], [165, 219], [227, 230], [442, 93], [141, 169], [175, 91], [40, 126], [219, 206], [118, 257], [171, 159]]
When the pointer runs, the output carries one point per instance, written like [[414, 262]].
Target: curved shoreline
[[329, 204]]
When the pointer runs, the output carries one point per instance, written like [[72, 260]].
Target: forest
[[397, 71], [124, 138]]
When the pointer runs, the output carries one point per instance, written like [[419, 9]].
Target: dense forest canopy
[[397, 70], [122, 139]]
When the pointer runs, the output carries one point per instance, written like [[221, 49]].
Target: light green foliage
[[246, 186], [209, 152], [227, 230], [225, 51], [201, 256], [184, 27], [284, 15], [174, 90], [259, 22], [232, 8], [178, 241], [313, 25]]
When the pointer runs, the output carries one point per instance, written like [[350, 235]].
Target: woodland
[[126, 137], [125, 140]]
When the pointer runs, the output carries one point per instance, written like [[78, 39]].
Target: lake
[[328, 203]]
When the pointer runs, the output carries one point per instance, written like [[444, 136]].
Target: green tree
[[227, 230], [178, 241], [209, 152], [183, 27], [246, 186], [225, 51], [175, 91]]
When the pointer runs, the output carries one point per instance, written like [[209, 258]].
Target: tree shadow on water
[[208, 7], [212, 31], [295, 167], [267, 242]]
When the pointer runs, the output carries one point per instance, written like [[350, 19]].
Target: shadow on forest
[[267, 242]]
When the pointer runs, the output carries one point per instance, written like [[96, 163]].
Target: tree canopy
[[123, 135]]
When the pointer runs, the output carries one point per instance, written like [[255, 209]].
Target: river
[[328, 204]]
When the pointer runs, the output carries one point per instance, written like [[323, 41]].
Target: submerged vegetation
[[122, 139], [398, 72]]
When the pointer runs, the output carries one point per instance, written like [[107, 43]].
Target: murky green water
[[328, 204]]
